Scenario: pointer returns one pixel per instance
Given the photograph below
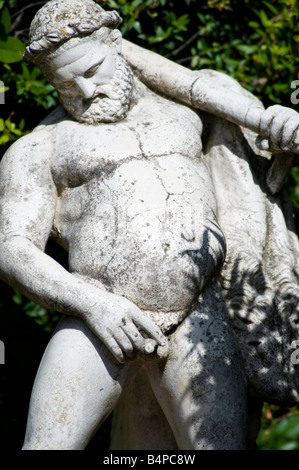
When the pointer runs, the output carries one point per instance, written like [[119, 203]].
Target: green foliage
[[47, 319], [279, 430], [30, 85], [292, 184], [11, 48], [9, 131], [24, 85], [167, 32]]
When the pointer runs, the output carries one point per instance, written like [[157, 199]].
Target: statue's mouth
[[100, 96], [88, 101]]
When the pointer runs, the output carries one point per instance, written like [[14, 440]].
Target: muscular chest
[[152, 129]]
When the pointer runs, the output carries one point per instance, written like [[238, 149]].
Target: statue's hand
[[125, 329], [279, 130]]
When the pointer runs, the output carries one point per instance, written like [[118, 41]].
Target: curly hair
[[60, 20]]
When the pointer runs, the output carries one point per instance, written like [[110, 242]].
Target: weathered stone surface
[[179, 307]]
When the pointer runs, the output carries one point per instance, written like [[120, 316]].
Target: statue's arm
[[27, 206], [217, 94], [28, 199]]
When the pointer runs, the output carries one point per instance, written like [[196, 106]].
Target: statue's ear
[[116, 38]]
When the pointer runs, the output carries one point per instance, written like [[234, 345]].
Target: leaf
[[271, 7], [136, 3], [137, 26], [289, 427], [292, 445], [10, 125], [22, 124], [25, 71], [264, 18], [254, 24], [4, 139], [17, 297], [5, 20], [11, 50], [246, 49]]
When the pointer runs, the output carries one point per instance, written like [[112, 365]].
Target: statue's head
[[76, 45]]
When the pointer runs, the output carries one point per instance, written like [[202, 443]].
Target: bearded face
[[93, 81], [109, 103]]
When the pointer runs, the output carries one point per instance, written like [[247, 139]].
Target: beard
[[110, 106]]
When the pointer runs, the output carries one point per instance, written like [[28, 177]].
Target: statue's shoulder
[[39, 142], [56, 126]]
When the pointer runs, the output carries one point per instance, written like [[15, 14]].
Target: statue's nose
[[86, 87]]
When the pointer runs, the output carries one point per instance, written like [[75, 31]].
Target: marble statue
[[165, 186]]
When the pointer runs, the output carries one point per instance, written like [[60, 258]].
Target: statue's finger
[[149, 327], [262, 143], [289, 132], [277, 127], [266, 119]]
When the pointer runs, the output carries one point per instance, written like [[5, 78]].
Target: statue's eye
[[66, 85], [90, 72]]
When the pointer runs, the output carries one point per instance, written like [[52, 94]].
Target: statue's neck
[[140, 90]]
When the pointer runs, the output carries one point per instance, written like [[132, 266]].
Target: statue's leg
[[138, 421], [202, 389], [76, 387]]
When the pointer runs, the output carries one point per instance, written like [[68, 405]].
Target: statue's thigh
[[202, 389], [138, 421], [76, 386]]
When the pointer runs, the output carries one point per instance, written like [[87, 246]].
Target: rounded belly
[[148, 233]]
